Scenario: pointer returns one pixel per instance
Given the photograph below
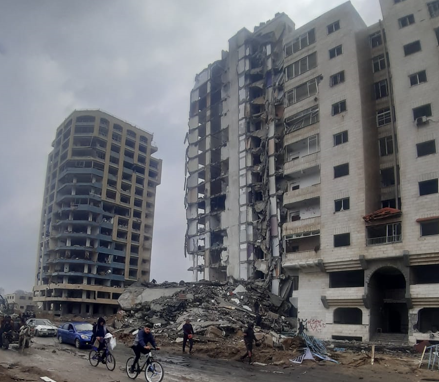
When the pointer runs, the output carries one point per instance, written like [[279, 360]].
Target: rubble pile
[[216, 310]]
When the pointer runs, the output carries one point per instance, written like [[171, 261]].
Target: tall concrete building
[[98, 214], [312, 165]]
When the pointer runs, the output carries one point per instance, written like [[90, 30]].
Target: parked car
[[41, 327], [75, 333]]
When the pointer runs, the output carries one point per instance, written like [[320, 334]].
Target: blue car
[[75, 333]]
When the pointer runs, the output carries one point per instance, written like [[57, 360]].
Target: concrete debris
[[217, 310]]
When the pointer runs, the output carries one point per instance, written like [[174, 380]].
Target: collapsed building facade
[[97, 216], [311, 164]]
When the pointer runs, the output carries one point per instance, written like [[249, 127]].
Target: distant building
[[21, 301], [312, 164], [98, 214]]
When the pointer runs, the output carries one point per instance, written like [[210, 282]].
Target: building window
[[305, 118], [340, 138], [422, 111], [387, 177], [384, 117], [381, 89], [378, 63], [302, 91], [412, 48], [428, 187], [301, 66], [386, 146], [406, 21], [426, 148], [300, 42], [333, 27], [341, 170], [348, 316], [430, 228], [418, 78], [334, 52], [376, 39], [433, 8], [339, 107], [336, 79], [384, 234], [341, 204], [437, 34], [342, 240]]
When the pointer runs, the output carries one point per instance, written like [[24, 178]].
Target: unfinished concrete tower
[[98, 214], [231, 165], [328, 169]]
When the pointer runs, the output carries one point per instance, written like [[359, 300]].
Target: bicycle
[[107, 358], [153, 369]]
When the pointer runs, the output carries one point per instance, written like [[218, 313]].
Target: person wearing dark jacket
[[99, 332], [249, 337], [188, 332], [6, 326], [140, 345]]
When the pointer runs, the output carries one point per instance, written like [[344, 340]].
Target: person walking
[[249, 337], [188, 333]]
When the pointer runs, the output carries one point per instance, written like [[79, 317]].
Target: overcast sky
[[134, 59]]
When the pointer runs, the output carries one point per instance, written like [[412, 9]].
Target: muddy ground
[[63, 363]]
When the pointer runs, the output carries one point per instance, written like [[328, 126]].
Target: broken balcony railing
[[384, 240]]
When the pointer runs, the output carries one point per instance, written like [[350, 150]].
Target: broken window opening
[[378, 63], [215, 97], [258, 275], [342, 240], [341, 170], [384, 234], [422, 111], [218, 186], [428, 320], [430, 228], [336, 79], [391, 203], [426, 148], [425, 274], [376, 39], [346, 279], [300, 42], [303, 119], [218, 203], [412, 48], [215, 125], [333, 27], [348, 316], [387, 177], [428, 187]]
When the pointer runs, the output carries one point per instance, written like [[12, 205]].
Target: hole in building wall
[[348, 316], [428, 320], [346, 279]]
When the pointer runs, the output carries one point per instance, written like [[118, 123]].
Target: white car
[[42, 327]]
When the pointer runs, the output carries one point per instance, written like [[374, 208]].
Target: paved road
[[66, 364]]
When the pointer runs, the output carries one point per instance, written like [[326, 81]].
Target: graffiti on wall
[[312, 324]]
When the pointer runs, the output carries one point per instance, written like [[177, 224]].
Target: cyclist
[[140, 345], [99, 332]]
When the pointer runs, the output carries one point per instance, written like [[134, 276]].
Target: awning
[[420, 220], [383, 213]]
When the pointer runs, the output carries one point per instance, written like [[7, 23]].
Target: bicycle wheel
[[93, 358], [110, 362], [154, 372], [135, 373]]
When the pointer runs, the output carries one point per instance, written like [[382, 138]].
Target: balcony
[[303, 227], [303, 163], [81, 170], [341, 297], [307, 193], [304, 259], [384, 240]]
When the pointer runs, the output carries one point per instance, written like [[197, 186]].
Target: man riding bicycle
[[140, 345]]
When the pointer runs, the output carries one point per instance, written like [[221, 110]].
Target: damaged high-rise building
[[98, 214], [311, 164]]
